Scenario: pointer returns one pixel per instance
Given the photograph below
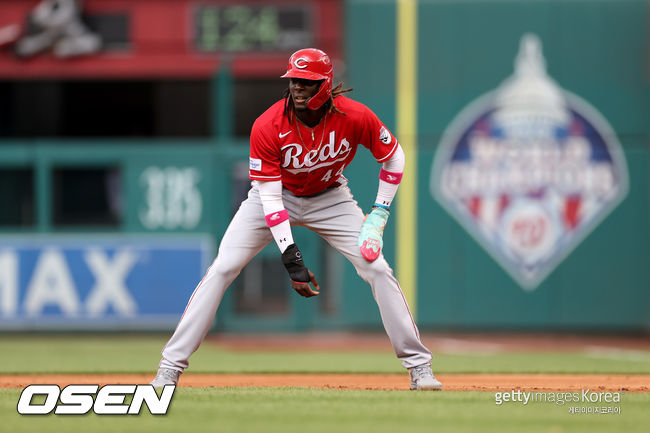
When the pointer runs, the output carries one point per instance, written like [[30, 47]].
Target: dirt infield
[[451, 382]]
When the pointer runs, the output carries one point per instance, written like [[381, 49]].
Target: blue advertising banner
[[98, 282]]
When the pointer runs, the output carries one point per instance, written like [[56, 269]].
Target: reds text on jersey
[[308, 160]]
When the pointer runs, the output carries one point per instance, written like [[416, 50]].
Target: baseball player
[[299, 149]]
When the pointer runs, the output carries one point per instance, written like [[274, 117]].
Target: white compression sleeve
[[271, 196], [387, 189]]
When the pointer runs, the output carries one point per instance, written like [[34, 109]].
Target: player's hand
[[300, 276], [304, 289], [372, 231]]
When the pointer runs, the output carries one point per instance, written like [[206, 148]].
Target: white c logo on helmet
[[300, 63]]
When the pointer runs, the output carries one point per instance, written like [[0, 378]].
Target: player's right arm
[[265, 171], [277, 218]]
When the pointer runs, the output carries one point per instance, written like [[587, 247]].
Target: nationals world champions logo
[[529, 170]]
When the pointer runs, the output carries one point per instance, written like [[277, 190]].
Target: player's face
[[301, 90]]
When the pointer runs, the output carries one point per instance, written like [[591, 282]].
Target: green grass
[[300, 410], [306, 410], [140, 354]]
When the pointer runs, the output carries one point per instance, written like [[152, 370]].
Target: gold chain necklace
[[322, 137]]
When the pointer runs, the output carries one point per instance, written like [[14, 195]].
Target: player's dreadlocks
[[331, 107]]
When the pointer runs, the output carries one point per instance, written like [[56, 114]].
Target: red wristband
[[390, 177], [275, 218]]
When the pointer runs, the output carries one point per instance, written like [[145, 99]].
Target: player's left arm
[[372, 231], [386, 150]]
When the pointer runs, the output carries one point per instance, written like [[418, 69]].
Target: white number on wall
[[171, 198]]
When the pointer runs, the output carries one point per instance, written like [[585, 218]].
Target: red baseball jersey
[[308, 160]]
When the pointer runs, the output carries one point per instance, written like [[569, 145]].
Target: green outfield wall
[[597, 50], [599, 281]]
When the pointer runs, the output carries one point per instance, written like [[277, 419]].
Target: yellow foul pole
[[407, 134]]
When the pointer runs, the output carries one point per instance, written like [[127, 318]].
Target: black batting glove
[[292, 260], [298, 272]]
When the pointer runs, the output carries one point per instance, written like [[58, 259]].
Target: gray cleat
[[422, 378], [166, 376]]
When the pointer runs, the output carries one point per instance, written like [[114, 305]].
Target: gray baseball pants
[[336, 217]]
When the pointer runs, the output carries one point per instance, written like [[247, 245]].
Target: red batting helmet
[[312, 64]]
